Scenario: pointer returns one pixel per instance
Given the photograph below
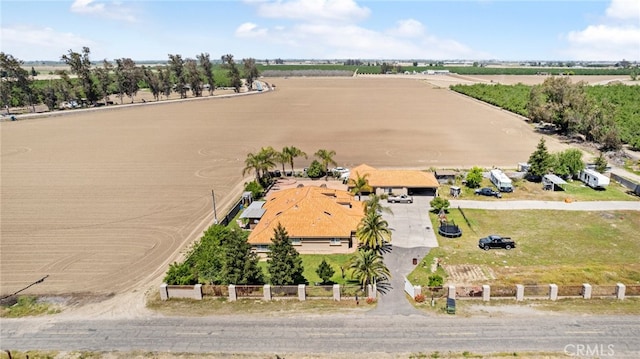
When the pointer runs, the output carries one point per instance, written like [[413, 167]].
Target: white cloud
[[616, 37], [249, 29], [112, 10], [313, 10], [624, 9], [39, 43], [408, 28]]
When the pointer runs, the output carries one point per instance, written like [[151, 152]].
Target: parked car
[[496, 241], [486, 191], [403, 198]]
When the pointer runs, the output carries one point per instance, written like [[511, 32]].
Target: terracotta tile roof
[[309, 212], [395, 178]]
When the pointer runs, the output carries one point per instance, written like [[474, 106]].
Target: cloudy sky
[[595, 30]]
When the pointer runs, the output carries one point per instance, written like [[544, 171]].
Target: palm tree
[[326, 157], [359, 184], [373, 205], [373, 232], [291, 153], [252, 163], [260, 163], [369, 268]]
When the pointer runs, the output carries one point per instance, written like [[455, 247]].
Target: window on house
[[335, 242], [262, 248], [296, 241]]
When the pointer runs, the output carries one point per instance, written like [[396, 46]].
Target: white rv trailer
[[593, 178], [500, 180]]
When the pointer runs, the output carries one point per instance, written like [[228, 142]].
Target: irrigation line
[[27, 287]]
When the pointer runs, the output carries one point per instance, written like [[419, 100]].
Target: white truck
[[593, 179], [403, 198]]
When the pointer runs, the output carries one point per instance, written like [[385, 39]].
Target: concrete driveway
[[410, 223]]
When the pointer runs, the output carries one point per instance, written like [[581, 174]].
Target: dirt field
[[103, 201]]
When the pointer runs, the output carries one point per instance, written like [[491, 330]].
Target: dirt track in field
[[103, 201]]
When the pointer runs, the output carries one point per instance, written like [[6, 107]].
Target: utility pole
[[215, 213]]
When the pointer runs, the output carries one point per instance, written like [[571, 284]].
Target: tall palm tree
[[260, 162], [252, 163], [369, 268], [326, 158], [373, 232], [359, 184], [291, 153], [373, 205]]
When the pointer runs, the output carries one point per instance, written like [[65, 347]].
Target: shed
[[550, 182], [454, 191], [252, 214]]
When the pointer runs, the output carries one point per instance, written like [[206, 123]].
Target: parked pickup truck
[[403, 198], [496, 241]]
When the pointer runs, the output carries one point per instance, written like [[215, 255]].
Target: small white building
[[593, 179]]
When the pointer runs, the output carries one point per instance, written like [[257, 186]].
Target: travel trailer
[[501, 181], [594, 179]]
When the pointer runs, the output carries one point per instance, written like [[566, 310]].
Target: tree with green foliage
[[260, 163], [233, 73], [251, 72], [568, 163], [601, 163], [373, 232], [325, 272], [291, 153], [207, 255], [240, 262], [255, 188], [315, 169], [207, 69], [15, 84], [152, 78], [474, 177], [359, 184], [128, 76], [326, 157], [193, 77], [180, 274], [103, 75], [368, 267], [80, 65], [540, 161], [373, 204], [440, 204], [176, 65], [284, 262]]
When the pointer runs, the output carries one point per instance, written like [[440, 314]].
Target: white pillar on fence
[[486, 293], [266, 293], [417, 290], [370, 292], [301, 293], [233, 296], [452, 292], [336, 292], [164, 291], [586, 291], [620, 289], [553, 291], [197, 291], [519, 292]]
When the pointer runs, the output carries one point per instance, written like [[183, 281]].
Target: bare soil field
[[102, 201]]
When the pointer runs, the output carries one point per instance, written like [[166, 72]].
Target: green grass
[[311, 262], [27, 306], [562, 247]]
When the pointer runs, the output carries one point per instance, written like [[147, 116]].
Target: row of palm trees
[[267, 159]]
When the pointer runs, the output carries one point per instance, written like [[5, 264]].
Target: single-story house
[[318, 220], [396, 181]]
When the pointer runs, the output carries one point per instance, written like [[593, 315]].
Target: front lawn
[[311, 262]]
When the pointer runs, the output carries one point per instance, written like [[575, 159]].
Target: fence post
[[197, 291], [620, 289], [301, 293], [553, 291], [519, 292], [486, 293], [266, 292], [452, 292], [233, 296], [370, 293], [164, 291], [586, 291], [336, 292]]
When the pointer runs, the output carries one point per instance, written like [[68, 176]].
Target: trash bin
[[415, 261]]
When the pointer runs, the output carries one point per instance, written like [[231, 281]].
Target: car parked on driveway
[[496, 241], [486, 191], [403, 198]]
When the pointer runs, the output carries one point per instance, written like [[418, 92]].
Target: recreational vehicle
[[594, 179], [501, 181]]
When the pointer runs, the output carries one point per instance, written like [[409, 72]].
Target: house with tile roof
[[398, 182], [318, 220]]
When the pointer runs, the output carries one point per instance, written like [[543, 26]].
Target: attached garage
[[411, 182]]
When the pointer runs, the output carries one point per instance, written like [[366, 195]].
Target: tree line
[[608, 115], [120, 77]]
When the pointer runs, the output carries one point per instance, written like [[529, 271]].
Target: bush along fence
[[521, 292], [266, 292]]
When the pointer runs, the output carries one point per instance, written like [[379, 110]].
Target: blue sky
[[547, 30]]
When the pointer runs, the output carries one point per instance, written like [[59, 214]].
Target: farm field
[[103, 201]]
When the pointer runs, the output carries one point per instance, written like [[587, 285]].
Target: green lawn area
[[562, 247], [526, 190], [311, 262]]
